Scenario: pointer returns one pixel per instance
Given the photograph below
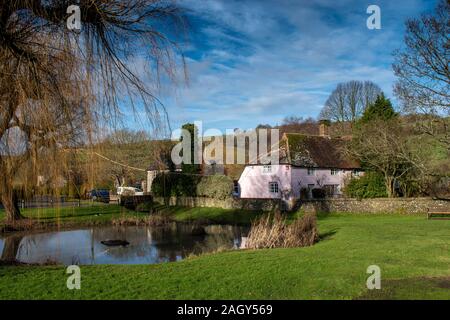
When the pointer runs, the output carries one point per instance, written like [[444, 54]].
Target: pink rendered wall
[[301, 179], [255, 184]]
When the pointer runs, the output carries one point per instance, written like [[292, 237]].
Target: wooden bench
[[438, 214]]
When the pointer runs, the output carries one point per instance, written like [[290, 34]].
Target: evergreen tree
[[191, 167], [381, 109]]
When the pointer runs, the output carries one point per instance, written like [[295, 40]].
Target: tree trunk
[[389, 182], [9, 201]]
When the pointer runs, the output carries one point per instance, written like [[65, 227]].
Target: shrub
[[174, 184], [216, 186], [276, 233], [161, 185], [132, 202], [318, 193], [370, 185]]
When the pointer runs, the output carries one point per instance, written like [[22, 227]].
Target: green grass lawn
[[88, 214], [412, 252]]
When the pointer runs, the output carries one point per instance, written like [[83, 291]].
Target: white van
[[129, 191]]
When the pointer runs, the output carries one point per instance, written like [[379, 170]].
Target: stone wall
[[231, 203], [382, 205]]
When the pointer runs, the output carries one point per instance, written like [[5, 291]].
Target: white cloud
[[258, 61]]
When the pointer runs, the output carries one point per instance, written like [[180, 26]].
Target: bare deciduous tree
[[349, 100], [56, 84], [382, 146], [422, 67], [423, 71]]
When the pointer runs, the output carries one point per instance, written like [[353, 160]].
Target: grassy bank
[[98, 213], [91, 214], [412, 252], [210, 215]]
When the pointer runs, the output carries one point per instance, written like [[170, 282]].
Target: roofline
[[313, 135], [303, 167]]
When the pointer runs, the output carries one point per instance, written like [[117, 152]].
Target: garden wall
[[381, 205], [230, 203]]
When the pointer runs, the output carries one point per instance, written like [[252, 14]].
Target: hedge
[[370, 185], [215, 186], [178, 184], [133, 202]]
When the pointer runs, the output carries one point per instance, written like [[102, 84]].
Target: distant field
[[412, 252]]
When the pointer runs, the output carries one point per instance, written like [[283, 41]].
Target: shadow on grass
[[327, 235], [412, 288]]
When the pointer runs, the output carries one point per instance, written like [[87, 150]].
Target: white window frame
[[334, 187], [267, 169], [334, 172], [310, 171], [274, 187]]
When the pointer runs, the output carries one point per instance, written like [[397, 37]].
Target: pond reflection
[[147, 244]]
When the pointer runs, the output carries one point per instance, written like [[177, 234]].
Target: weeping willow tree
[[58, 86]]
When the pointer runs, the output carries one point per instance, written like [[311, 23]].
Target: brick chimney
[[324, 126]]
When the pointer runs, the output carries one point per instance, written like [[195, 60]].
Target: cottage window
[[331, 189], [236, 189], [273, 187], [311, 171], [334, 172], [267, 169]]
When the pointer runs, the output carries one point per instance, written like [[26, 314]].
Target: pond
[[147, 245]]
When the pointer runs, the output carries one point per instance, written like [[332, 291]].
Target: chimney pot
[[324, 128]]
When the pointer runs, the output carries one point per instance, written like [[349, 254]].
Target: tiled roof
[[315, 151]]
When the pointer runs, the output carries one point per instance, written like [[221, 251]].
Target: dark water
[[147, 244]]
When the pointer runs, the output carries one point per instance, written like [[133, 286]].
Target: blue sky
[[257, 61]]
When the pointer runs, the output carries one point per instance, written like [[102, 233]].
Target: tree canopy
[[57, 86], [349, 100], [381, 109]]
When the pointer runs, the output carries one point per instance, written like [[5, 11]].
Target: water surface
[[147, 244]]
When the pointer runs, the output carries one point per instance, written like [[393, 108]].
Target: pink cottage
[[306, 162]]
